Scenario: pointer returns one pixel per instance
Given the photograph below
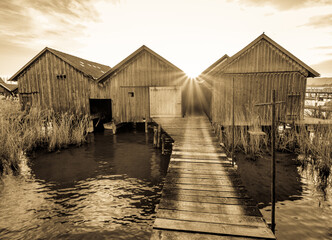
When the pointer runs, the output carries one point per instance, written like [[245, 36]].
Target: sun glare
[[193, 73]]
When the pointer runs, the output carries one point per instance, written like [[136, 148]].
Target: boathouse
[[7, 89], [58, 81], [142, 86], [254, 72]]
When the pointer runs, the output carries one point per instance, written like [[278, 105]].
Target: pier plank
[[216, 228], [203, 197]]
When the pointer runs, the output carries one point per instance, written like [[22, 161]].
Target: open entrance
[[101, 112], [195, 98]]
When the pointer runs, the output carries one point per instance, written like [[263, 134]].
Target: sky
[[192, 34]]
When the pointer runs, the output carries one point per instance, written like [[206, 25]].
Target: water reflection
[[303, 208], [105, 190]]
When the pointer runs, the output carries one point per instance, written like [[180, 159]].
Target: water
[[304, 205], [107, 189]]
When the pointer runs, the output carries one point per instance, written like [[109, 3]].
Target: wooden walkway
[[203, 197]]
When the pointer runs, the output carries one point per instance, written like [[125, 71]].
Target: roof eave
[[28, 64]]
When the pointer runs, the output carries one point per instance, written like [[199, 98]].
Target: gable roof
[[88, 68], [104, 77], [219, 62], [312, 73], [9, 87]]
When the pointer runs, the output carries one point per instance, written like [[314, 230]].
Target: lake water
[[107, 189], [303, 207]]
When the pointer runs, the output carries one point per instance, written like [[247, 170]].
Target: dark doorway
[[194, 98], [101, 111]]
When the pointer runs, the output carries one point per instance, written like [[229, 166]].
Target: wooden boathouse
[[254, 71], [142, 86], [58, 81], [7, 89]]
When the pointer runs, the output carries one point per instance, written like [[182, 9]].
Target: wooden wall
[[137, 75], [40, 85], [256, 73]]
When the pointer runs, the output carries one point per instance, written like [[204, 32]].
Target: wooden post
[[273, 169], [113, 127], [163, 144], [155, 132], [233, 128], [319, 111], [146, 126], [273, 159], [159, 136], [220, 134]]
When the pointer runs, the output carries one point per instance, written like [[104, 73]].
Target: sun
[[192, 73]]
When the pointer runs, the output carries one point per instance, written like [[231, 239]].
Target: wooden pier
[[203, 197]]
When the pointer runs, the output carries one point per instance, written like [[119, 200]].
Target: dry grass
[[22, 132], [315, 146]]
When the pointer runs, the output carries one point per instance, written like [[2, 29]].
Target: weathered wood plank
[[209, 208], [180, 235], [209, 181], [209, 199], [203, 187], [199, 154], [202, 193], [216, 228], [211, 218], [239, 193], [200, 160]]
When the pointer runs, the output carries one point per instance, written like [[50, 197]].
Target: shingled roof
[[9, 87], [91, 69]]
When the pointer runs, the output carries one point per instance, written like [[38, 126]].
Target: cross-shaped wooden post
[[273, 167]]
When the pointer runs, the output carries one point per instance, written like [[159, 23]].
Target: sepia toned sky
[[192, 34]]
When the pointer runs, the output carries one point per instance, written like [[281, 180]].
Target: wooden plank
[[226, 175], [208, 181], [216, 228], [202, 160], [202, 187], [209, 199], [211, 218], [231, 209], [238, 193], [177, 169], [203, 154], [180, 235], [202, 192], [188, 165]]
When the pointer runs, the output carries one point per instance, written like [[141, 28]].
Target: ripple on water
[[93, 192]]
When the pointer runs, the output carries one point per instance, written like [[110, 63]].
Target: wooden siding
[[165, 102], [143, 71], [256, 72], [251, 89], [263, 57], [47, 92]]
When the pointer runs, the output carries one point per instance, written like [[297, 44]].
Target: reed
[[23, 132]]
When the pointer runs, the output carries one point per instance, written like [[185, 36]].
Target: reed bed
[[22, 132], [315, 143]]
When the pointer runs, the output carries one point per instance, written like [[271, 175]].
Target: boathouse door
[[165, 102]]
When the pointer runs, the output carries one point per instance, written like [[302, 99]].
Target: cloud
[[323, 48], [320, 21], [25, 20], [324, 68], [286, 4]]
